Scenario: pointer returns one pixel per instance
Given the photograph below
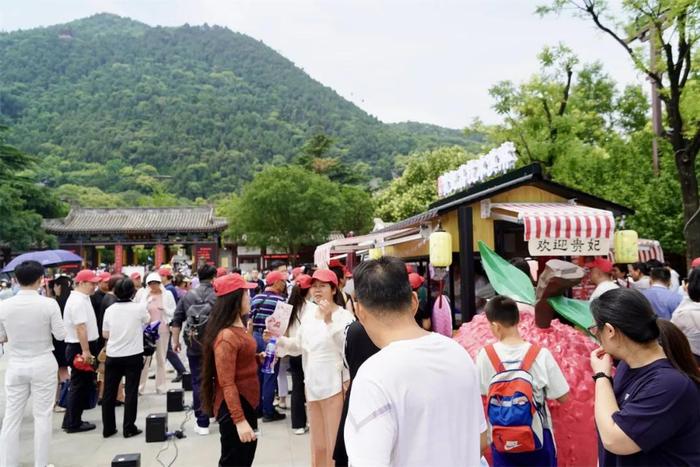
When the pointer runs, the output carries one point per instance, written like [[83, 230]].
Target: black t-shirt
[[660, 411], [358, 348]]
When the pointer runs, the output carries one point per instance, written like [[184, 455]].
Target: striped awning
[[648, 249], [556, 220]]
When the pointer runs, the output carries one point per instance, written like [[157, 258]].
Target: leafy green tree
[[673, 28], [288, 207], [356, 211], [22, 201], [416, 188]]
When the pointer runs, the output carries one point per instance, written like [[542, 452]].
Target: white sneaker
[[201, 430], [300, 431]]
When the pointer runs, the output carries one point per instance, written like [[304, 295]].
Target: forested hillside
[[112, 103]]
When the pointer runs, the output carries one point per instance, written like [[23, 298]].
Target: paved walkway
[[277, 445]]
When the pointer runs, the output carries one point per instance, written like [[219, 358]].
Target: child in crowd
[[547, 380]]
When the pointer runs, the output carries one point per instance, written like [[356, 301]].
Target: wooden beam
[[466, 263]]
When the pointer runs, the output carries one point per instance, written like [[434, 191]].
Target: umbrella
[[47, 258]]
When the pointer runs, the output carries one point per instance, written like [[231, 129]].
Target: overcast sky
[[429, 61]]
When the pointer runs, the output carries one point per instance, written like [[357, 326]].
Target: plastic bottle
[[268, 365]]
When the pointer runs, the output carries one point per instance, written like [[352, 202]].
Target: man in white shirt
[[81, 339], [417, 401], [27, 322], [601, 275]]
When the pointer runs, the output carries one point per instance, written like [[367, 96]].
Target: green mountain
[[112, 103]]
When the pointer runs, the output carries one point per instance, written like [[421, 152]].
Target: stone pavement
[[277, 445]]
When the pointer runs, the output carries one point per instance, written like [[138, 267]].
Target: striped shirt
[[262, 306]]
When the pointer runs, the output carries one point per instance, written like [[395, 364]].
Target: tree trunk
[[687, 176]]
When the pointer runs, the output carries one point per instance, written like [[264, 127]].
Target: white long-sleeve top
[[687, 318], [321, 348], [169, 304]]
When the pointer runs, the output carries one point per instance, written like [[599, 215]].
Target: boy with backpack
[[517, 377]]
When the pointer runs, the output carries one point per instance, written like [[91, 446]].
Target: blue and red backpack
[[516, 423]]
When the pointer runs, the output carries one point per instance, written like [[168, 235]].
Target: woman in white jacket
[[161, 307], [687, 315], [319, 340]]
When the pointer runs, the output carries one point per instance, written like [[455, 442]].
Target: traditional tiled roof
[[137, 220]]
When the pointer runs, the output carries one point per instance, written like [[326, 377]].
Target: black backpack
[[197, 317]]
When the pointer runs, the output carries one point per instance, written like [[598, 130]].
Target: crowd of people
[[370, 382]]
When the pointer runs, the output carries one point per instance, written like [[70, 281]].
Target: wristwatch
[[600, 374]]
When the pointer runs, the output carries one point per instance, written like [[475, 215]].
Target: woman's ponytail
[[677, 349]]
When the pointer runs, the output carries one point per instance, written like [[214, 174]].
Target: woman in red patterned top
[[230, 388]]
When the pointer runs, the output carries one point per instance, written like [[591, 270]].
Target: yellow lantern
[[375, 253], [440, 248], [626, 246]]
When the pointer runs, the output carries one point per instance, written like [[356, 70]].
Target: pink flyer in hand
[[278, 321]]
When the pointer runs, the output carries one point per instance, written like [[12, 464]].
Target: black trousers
[[81, 385], [115, 369], [298, 395], [234, 453]]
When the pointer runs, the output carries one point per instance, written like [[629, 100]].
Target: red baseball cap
[[165, 272], [275, 276], [416, 280], [325, 275], [229, 283], [335, 263], [297, 271], [304, 281], [221, 271], [135, 275], [695, 263], [104, 276], [601, 263], [87, 275]]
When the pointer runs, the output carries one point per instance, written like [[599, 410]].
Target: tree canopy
[[23, 201], [672, 29], [289, 207]]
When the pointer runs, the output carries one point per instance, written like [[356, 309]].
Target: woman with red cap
[[320, 341], [230, 387], [299, 298], [423, 313]]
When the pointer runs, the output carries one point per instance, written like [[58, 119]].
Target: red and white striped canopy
[[558, 220], [648, 249]]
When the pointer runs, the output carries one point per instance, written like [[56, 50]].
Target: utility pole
[[647, 34]]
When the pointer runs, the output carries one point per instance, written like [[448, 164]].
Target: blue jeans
[[268, 382], [196, 369], [545, 457]]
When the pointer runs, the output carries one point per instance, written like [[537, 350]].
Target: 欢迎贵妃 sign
[[575, 246], [496, 161]]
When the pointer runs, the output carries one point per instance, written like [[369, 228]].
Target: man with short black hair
[[27, 322], [81, 339], [663, 301], [394, 416], [198, 300]]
